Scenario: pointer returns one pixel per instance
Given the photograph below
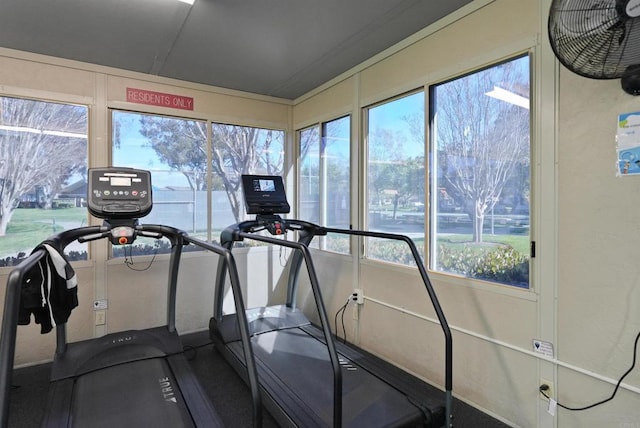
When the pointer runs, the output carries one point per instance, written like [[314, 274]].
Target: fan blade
[[593, 38]]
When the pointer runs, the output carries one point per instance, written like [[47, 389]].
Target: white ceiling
[[281, 48]]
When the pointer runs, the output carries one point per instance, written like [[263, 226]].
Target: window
[[176, 151], [43, 163], [309, 175], [479, 180], [324, 178], [396, 175], [240, 150]]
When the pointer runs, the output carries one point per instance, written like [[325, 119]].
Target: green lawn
[[518, 242], [30, 226]]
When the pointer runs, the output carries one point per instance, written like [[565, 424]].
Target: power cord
[[128, 258], [342, 309], [352, 298], [544, 388], [282, 252], [191, 351]]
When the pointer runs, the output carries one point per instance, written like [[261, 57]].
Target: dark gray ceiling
[[282, 48]]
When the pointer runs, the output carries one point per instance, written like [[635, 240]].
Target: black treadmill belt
[[427, 397], [296, 366], [138, 394]]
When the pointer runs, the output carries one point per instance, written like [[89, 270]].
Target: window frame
[[321, 241], [533, 113], [55, 98], [364, 162], [210, 174]]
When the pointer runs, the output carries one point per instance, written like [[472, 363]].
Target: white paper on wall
[[628, 144]]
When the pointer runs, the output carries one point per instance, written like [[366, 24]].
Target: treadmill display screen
[[264, 185], [264, 194], [119, 193], [121, 181]]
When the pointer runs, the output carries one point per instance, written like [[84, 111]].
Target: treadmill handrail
[[434, 302], [307, 231], [178, 239], [236, 233], [91, 233], [10, 331], [252, 371]]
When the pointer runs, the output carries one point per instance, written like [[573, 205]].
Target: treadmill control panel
[[119, 193], [264, 194]]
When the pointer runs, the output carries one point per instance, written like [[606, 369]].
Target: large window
[[43, 163], [324, 179], [479, 179], [396, 175], [240, 150], [177, 152]]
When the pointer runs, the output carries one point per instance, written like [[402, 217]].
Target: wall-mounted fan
[[599, 39]]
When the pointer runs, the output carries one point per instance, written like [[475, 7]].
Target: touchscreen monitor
[[264, 194]]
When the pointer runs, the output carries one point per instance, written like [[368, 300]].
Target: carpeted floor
[[229, 395]]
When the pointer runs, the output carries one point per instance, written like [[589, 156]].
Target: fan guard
[[598, 39]]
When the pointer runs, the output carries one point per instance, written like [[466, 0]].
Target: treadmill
[[132, 378], [307, 378]]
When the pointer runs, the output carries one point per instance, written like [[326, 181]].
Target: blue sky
[[134, 153]]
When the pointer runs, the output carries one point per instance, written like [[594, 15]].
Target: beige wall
[[598, 275], [585, 293]]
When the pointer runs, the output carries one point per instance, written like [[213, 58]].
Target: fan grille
[[595, 39]]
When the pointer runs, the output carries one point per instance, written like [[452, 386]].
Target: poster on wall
[[628, 144]]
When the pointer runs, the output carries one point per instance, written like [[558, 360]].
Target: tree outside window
[[177, 153], [43, 164], [479, 179], [174, 150], [396, 175], [239, 150]]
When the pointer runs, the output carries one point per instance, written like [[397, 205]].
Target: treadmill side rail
[[77, 366], [435, 405]]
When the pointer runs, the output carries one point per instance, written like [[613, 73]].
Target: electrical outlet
[[359, 296], [101, 317], [550, 391]]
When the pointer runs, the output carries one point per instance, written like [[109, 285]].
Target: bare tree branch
[[481, 140], [43, 144]]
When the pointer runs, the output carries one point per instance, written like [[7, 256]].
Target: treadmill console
[[264, 194], [119, 193]]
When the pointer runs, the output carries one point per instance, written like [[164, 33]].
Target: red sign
[[141, 96]]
